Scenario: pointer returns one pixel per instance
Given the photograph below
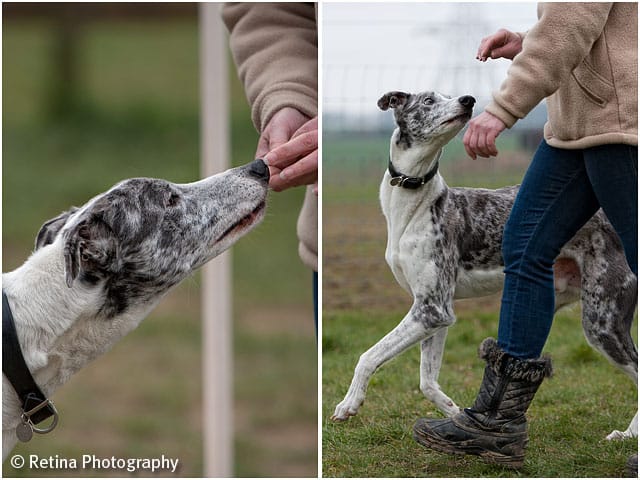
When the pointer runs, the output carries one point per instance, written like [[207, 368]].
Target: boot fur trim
[[532, 370]]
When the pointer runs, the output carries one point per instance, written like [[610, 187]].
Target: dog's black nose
[[467, 101], [259, 169]]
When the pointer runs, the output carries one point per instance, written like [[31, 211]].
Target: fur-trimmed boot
[[495, 427]]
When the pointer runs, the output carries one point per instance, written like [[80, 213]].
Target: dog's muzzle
[[467, 101], [259, 169]]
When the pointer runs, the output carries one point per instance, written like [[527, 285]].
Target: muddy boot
[[632, 466], [495, 427]]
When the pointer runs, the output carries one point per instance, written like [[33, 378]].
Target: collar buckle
[[398, 181], [48, 404], [401, 180]]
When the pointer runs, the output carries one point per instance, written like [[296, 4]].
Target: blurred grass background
[[134, 111]]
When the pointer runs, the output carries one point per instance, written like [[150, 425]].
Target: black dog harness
[[36, 407], [401, 180]]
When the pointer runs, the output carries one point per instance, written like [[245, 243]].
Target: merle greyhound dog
[[98, 270], [445, 243]]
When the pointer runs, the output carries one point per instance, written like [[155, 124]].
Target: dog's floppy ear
[[393, 100], [90, 248], [49, 231]]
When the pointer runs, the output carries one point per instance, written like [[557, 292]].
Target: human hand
[[480, 137], [291, 140], [502, 44]]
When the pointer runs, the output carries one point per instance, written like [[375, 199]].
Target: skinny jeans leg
[[560, 192]]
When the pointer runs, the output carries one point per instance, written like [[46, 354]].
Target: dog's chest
[[444, 240], [414, 239]]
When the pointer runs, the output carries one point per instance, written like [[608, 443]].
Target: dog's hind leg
[[608, 306], [431, 353], [567, 282]]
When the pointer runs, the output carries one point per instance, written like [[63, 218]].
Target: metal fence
[[369, 49]]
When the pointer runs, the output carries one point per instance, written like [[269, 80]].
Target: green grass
[[569, 418], [137, 114]]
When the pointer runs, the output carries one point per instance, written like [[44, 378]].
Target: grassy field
[[571, 414], [138, 115], [569, 418]]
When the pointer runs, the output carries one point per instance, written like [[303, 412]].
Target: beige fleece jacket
[[583, 58], [275, 48]]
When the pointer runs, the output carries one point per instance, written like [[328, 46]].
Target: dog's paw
[[618, 435], [447, 406], [451, 410], [343, 411], [339, 419]]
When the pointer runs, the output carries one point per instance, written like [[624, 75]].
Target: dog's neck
[[414, 161], [400, 204], [56, 325], [43, 306]]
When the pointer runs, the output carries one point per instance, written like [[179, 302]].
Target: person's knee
[[512, 245]]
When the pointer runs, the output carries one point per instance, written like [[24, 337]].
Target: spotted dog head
[[427, 117], [145, 235]]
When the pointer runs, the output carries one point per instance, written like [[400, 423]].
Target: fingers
[[311, 125], [505, 51], [289, 147], [480, 138], [277, 137], [263, 146], [483, 50], [282, 126], [468, 142], [272, 137], [488, 44], [287, 153], [295, 162], [302, 172], [486, 145], [501, 44], [490, 143]]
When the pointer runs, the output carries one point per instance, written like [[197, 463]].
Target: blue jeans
[[560, 192]]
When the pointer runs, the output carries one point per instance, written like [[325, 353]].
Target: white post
[[217, 365]]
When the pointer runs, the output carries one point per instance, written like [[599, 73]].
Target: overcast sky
[[370, 48]]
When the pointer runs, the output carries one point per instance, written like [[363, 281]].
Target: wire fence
[[369, 49], [379, 48]]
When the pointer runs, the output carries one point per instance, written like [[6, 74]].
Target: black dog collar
[[401, 180], [36, 407]]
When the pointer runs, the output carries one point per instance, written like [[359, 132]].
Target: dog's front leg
[[431, 353], [408, 332], [630, 432]]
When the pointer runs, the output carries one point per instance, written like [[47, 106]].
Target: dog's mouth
[[244, 222], [464, 118]]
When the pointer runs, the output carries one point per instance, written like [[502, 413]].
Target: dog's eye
[[428, 101]]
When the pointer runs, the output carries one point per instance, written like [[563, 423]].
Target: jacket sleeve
[[274, 46], [551, 50]]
